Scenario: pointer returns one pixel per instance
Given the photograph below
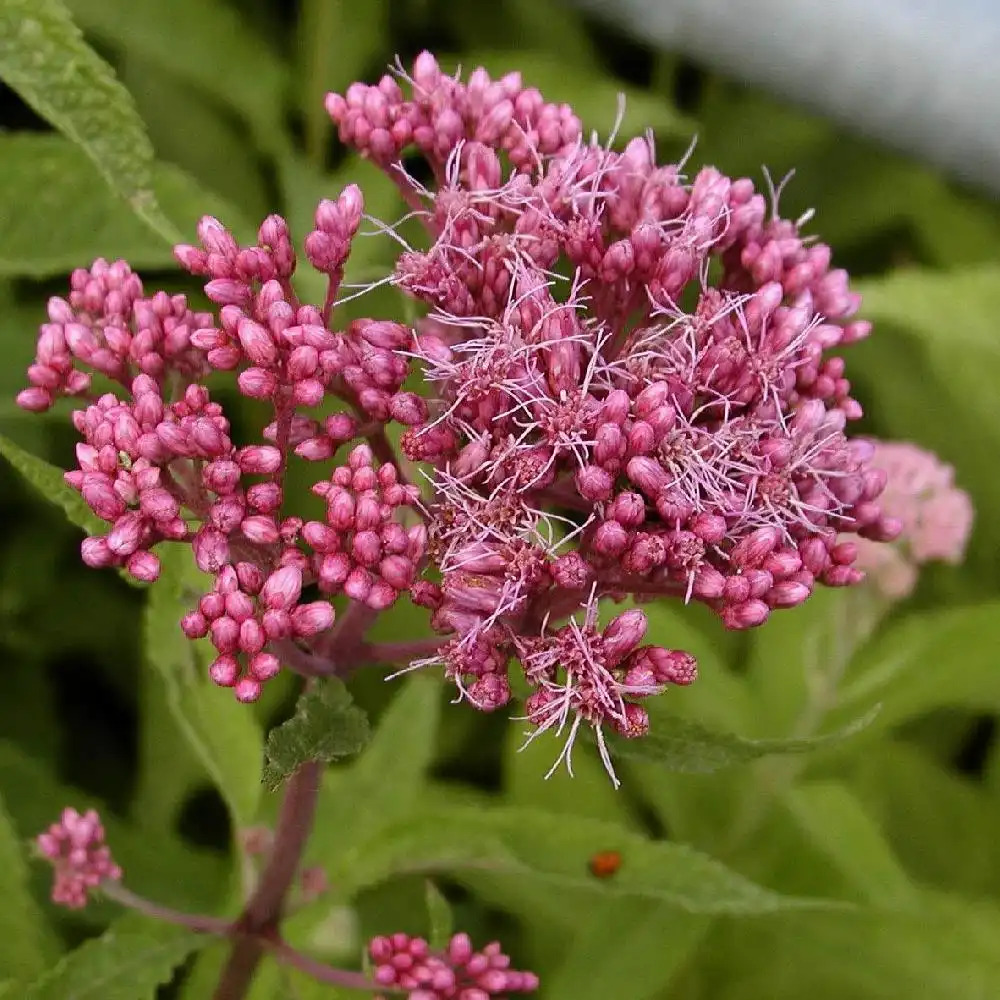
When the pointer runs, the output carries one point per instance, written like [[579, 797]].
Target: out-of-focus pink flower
[[81, 860], [934, 516]]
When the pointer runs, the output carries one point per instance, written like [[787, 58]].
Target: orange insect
[[604, 864]]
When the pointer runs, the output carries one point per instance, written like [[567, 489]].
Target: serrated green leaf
[[128, 962], [58, 216], [439, 916], [22, 941], [593, 96], [47, 480], [385, 782], [685, 746], [186, 37], [555, 852], [327, 725], [44, 58], [837, 823], [224, 734]]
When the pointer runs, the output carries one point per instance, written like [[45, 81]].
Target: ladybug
[[604, 864]]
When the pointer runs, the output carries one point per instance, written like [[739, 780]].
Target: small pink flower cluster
[[936, 518], [630, 392], [75, 847], [457, 973]]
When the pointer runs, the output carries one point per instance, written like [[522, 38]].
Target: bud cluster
[[631, 390]]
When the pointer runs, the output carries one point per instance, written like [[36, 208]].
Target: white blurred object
[[921, 75]]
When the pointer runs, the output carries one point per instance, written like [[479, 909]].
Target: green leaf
[[58, 216], [385, 782], [439, 915], [22, 942], [837, 823], [682, 745], [157, 863], [44, 58], [943, 949], [223, 733], [48, 481], [924, 661], [941, 825], [938, 330], [128, 962], [187, 37], [327, 725], [614, 946], [593, 96], [555, 851]]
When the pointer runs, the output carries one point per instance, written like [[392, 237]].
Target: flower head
[[934, 518], [81, 860], [457, 973]]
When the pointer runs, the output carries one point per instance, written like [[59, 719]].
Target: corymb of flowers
[[623, 385]]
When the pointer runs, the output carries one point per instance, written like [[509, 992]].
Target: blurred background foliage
[[901, 820]]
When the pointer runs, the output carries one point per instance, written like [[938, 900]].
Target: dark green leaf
[[223, 733], [48, 481], [44, 58], [21, 929], [128, 962], [188, 37], [58, 216], [555, 850], [327, 725]]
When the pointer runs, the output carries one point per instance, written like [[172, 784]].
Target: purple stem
[[193, 921]]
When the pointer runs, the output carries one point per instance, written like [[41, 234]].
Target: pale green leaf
[[223, 733], [837, 823], [327, 725], [128, 962], [57, 215], [556, 852], [614, 946], [44, 58], [439, 916], [384, 783], [22, 940], [941, 825], [924, 661], [943, 949], [206, 43]]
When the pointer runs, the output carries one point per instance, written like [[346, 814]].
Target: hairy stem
[[263, 911]]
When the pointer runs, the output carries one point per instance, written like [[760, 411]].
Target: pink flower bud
[[211, 550], [610, 539], [144, 566], [259, 460], [282, 588], [247, 690], [594, 483], [224, 670], [623, 634], [264, 666], [310, 619], [748, 614]]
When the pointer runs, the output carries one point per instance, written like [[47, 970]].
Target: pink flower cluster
[[630, 391], [936, 517], [75, 847], [457, 973]]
